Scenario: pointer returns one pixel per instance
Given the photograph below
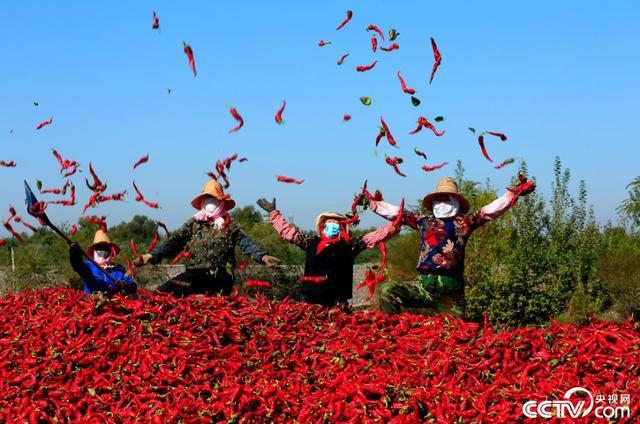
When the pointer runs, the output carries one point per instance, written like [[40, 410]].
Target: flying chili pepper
[[393, 34], [118, 197], [390, 48], [394, 162], [497, 134], [403, 84], [234, 112], [363, 68], [12, 231], [98, 185], [143, 159], [156, 21], [381, 134], [70, 202], [483, 148], [182, 255], [154, 242], [10, 164], [433, 168], [438, 59], [387, 132], [382, 247], [164, 227], [505, 163], [242, 266], [346, 118], [430, 126], [189, 52], [376, 29], [65, 164], [26, 224], [284, 179], [134, 249], [341, 60], [371, 280], [419, 153], [365, 100], [140, 198], [98, 220], [74, 229], [346, 20], [415, 101], [315, 279], [44, 123], [258, 284], [130, 269], [278, 116], [323, 43], [374, 43]]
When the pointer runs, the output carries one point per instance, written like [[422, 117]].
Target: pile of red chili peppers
[[74, 358]]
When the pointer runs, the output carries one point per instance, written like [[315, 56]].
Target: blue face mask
[[331, 230]]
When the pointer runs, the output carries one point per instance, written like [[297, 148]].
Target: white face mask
[[101, 257], [446, 209], [210, 205]]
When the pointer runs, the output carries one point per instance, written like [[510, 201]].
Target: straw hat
[[214, 189], [320, 220], [101, 237], [446, 186]]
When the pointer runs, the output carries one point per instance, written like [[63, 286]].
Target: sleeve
[[491, 211], [373, 238], [248, 246], [94, 282], [287, 231], [389, 212], [173, 246], [79, 265]]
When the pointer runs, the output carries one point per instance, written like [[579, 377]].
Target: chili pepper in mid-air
[[182, 255], [371, 280], [374, 43], [403, 85], [323, 43], [97, 185], [365, 100], [74, 229], [363, 68], [505, 163], [26, 224], [234, 112], [130, 269], [70, 202], [390, 48], [164, 227], [497, 134], [154, 242], [415, 101], [483, 148], [278, 116], [433, 168], [341, 60], [12, 231], [65, 163], [284, 179], [156, 21], [10, 164], [382, 247], [44, 123], [346, 117], [98, 220], [143, 159], [346, 20], [393, 34], [381, 134], [118, 197], [258, 284], [192, 62], [387, 133], [419, 153], [315, 279], [242, 266], [394, 162], [424, 122], [438, 59], [134, 249], [140, 198], [373, 27]]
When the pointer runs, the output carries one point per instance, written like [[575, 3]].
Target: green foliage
[[630, 207]]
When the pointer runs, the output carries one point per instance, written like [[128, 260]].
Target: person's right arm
[[76, 258]]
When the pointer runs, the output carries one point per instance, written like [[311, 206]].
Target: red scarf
[[326, 241]]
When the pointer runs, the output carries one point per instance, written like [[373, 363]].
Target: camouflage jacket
[[210, 247]]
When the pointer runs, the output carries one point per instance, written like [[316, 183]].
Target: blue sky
[[560, 78]]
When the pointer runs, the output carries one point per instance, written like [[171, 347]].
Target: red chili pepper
[[237, 117], [98, 220], [391, 47], [433, 168], [26, 224], [381, 134], [154, 242], [243, 266], [156, 21], [70, 202], [118, 197], [323, 43], [371, 280], [387, 133], [404, 85], [278, 117], [130, 269], [3, 242], [284, 179], [97, 186], [10, 229], [259, 284], [140, 198], [346, 118], [394, 163], [143, 159], [363, 68], [10, 164], [74, 229], [497, 134], [437, 57], [315, 279], [182, 255], [505, 163], [382, 247], [346, 20], [134, 248], [420, 153], [430, 126], [374, 43], [44, 123], [341, 60], [376, 29], [484, 150], [189, 52]]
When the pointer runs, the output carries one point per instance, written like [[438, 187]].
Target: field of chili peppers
[[67, 357]]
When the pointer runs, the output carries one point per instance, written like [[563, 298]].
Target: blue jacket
[[95, 280]]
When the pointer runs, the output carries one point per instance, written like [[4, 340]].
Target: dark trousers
[[208, 283]]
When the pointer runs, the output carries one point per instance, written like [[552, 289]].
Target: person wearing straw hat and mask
[[330, 253], [444, 233], [103, 251], [210, 238]]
